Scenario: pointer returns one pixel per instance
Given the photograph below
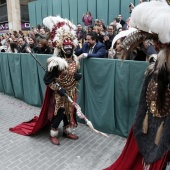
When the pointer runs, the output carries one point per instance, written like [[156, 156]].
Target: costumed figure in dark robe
[[61, 78], [148, 143]]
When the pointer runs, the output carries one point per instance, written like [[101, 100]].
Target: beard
[[69, 52]]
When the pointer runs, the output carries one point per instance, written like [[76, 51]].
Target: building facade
[[14, 15]]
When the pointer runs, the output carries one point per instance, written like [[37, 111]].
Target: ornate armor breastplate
[[151, 126], [151, 97], [66, 79]]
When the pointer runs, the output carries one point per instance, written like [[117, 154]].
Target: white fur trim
[[150, 69], [56, 61], [68, 130], [162, 58], [53, 133], [155, 56]]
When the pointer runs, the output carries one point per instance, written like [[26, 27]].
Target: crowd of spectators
[[38, 39]]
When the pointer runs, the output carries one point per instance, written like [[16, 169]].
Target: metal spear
[[79, 112]]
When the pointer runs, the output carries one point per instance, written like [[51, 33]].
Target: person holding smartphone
[[87, 19]]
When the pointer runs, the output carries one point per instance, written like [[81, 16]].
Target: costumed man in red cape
[[148, 143], [61, 77]]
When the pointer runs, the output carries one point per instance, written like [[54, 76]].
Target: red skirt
[[131, 159]]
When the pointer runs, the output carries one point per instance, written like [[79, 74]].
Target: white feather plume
[[68, 30], [53, 133], [153, 17], [136, 17], [56, 51], [160, 23], [50, 21], [75, 42]]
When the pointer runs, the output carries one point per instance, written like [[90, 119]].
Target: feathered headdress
[[153, 17], [62, 32], [152, 20]]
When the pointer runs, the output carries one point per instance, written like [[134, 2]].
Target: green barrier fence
[[74, 9], [108, 92]]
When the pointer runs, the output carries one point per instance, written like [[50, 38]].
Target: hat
[[152, 21], [123, 34], [63, 32], [153, 17]]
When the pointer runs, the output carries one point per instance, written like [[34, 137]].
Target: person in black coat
[[43, 48], [22, 45], [121, 21]]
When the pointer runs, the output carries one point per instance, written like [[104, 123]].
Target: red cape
[[37, 123], [131, 159]]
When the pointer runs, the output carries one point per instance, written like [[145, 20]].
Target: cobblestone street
[[91, 152]]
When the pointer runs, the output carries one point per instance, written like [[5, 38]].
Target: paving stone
[[90, 152]]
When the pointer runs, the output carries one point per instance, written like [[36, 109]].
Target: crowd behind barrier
[[38, 38], [108, 99]]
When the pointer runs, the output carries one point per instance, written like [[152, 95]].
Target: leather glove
[[61, 92], [77, 76]]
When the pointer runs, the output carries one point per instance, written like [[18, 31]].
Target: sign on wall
[[7, 26], [4, 26]]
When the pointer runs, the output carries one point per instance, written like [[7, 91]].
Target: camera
[[131, 6]]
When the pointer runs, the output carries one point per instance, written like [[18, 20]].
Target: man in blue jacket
[[92, 48]]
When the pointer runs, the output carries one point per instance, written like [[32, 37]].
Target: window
[[24, 10], [3, 13], [2, 2]]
